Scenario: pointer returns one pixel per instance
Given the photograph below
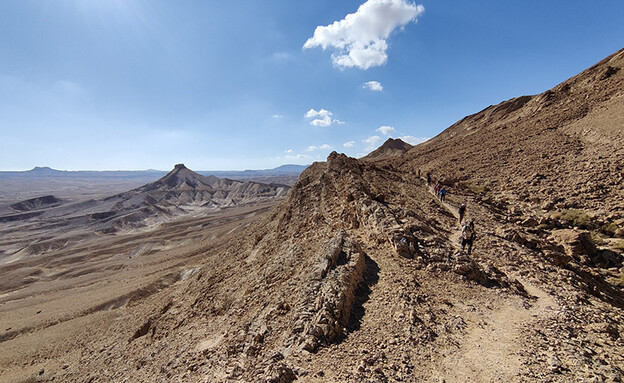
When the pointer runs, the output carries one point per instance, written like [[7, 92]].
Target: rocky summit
[[359, 275]]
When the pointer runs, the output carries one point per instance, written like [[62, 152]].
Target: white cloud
[[385, 130], [373, 85], [414, 140], [288, 151], [349, 144], [277, 116], [360, 38], [325, 119], [320, 113], [322, 147], [323, 122], [372, 142]]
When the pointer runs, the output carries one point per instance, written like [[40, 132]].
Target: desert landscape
[[354, 273]]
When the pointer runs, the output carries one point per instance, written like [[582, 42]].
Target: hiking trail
[[489, 350]]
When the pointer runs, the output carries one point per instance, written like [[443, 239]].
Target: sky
[[248, 84]]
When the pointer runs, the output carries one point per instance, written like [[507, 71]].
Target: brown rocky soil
[[358, 277]]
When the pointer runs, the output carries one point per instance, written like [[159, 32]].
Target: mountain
[[359, 273], [179, 192], [290, 168], [183, 187], [391, 148]]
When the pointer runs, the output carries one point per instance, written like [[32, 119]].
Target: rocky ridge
[[357, 277]]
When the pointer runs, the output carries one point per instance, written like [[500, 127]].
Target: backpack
[[467, 231]]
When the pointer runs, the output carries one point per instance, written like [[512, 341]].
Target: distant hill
[[391, 148], [286, 174], [183, 186], [47, 172], [16, 186], [176, 193]]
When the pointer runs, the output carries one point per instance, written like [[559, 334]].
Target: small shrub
[[609, 229], [476, 189], [575, 217]]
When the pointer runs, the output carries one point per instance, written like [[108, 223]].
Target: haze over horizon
[[139, 84]]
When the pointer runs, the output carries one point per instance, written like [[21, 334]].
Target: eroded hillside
[[357, 277], [562, 148]]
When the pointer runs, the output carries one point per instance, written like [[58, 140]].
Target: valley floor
[[55, 306]]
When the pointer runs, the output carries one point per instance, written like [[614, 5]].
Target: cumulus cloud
[[322, 118], [320, 113], [373, 85], [277, 116], [312, 148], [349, 144], [360, 38], [414, 140], [385, 130], [371, 142]]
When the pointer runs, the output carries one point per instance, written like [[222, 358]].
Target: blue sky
[[232, 85]]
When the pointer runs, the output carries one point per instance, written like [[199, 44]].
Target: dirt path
[[489, 352], [456, 234]]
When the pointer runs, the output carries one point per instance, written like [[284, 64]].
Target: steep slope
[[564, 147]]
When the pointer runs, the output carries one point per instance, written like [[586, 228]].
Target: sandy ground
[[71, 294]]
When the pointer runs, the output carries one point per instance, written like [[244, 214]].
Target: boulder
[[575, 242]]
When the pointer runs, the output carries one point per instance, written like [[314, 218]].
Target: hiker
[[418, 173], [436, 189], [442, 194], [428, 179], [468, 235], [461, 211]]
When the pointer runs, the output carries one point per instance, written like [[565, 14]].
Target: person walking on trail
[[462, 212], [436, 189], [428, 179], [468, 235], [442, 194]]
